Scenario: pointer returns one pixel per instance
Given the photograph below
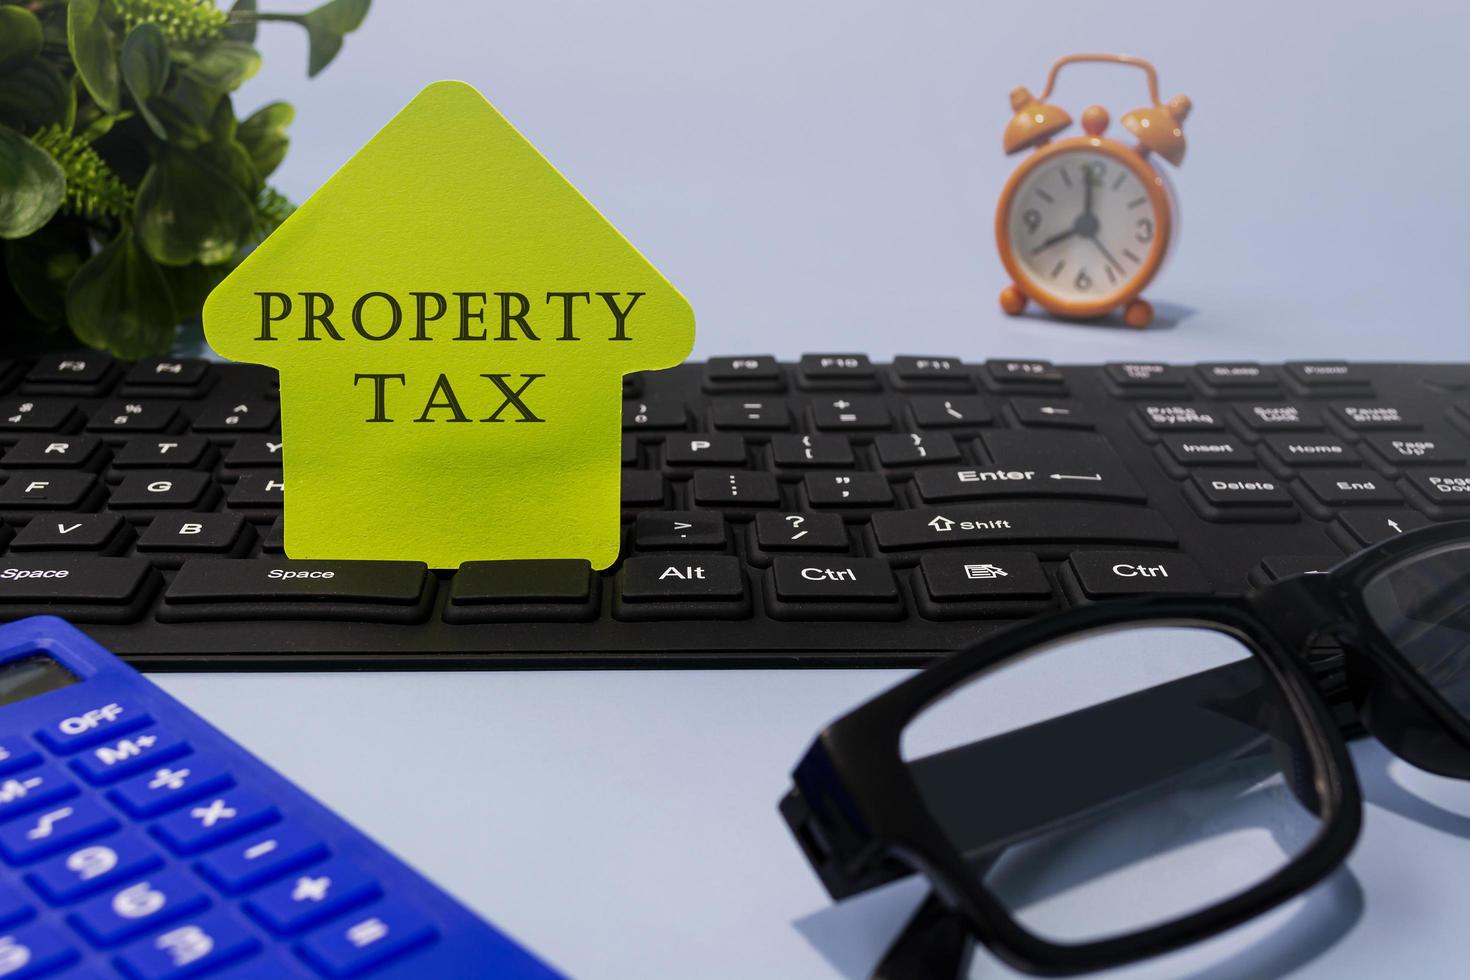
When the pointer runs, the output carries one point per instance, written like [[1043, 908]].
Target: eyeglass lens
[[1422, 605]]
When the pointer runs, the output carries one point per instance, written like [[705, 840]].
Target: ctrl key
[[370, 938], [681, 587]]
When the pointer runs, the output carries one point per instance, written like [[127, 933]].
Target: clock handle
[[1115, 59]]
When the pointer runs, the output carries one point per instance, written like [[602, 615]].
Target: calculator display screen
[[29, 676]]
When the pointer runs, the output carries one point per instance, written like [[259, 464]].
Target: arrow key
[[661, 530], [1359, 528], [1040, 413]]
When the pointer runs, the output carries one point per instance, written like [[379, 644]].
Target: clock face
[[1083, 227]]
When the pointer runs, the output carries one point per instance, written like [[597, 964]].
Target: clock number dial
[[1082, 226]]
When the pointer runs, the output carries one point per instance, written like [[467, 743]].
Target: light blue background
[[822, 176]]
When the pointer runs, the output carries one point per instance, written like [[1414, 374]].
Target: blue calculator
[[136, 840]]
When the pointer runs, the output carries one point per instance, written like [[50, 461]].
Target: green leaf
[[119, 301], [242, 22], [264, 136], [101, 126], [33, 94], [188, 111], [20, 35], [191, 284], [327, 25], [188, 211], [93, 48], [222, 65], [40, 267], [31, 185], [145, 70]]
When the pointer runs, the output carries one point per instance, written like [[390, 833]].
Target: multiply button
[[1117, 573], [213, 820]]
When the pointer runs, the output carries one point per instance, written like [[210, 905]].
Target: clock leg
[[1012, 300], [1138, 313]]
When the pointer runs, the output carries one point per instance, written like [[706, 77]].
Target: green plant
[[128, 188]]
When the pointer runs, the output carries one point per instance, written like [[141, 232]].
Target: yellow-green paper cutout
[[447, 199]]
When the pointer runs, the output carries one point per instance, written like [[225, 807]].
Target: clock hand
[[1059, 237], [1086, 191], [1106, 254]]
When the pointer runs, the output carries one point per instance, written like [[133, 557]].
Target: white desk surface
[[821, 176]]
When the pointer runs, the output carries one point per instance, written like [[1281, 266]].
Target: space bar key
[[265, 580], [1020, 522]]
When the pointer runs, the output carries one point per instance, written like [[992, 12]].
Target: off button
[[1104, 574]]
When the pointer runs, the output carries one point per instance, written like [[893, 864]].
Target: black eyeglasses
[[1097, 787]]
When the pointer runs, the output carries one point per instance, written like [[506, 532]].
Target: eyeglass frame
[[859, 817]]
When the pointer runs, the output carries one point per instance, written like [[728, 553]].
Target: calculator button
[[167, 787], [80, 872], [315, 894], [199, 945], [87, 727], [48, 831], [32, 789], [123, 913], [214, 820], [33, 951], [376, 935], [13, 906], [112, 761], [261, 857], [16, 753]]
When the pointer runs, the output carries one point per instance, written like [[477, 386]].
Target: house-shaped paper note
[[451, 321]]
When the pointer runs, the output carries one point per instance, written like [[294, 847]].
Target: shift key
[[232, 588]]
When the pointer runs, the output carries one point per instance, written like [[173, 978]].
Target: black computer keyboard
[[831, 512]]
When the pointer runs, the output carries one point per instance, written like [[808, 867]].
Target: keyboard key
[[1045, 523], [125, 912], [16, 753], [258, 490], [1147, 378], [281, 581], [315, 894], [1244, 495], [666, 530], [273, 541], [182, 489], [1041, 413], [804, 451], [682, 578], [92, 867], [1445, 491], [36, 415], [1349, 488], [128, 417], [261, 857], [1368, 527], [824, 370], [243, 416], [642, 488], [81, 369], [32, 789], [375, 936], [1178, 418], [199, 945], [1277, 417], [940, 372], [913, 449], [1103, 574], [940, 412], [1022, 374], [167, 374], [1369, 417], [1313, 376], [26, 490], [69, 532], [971, 576], [75, 732], [172, 452], [944, 483], [1310, 450], [1424, 450], [754, 373], [1274, 568], [1234, 379], [800, 532], [111, 761], [71, 581], [858, 413], [255, 452], [192, 534], [169, 787], [704, 449], [58, 452], [756, 414], [34, 950], [212, 820], [654, 414], [849, 489], [1207, 450], [734, 489], [822, 579], [54, 829], [554, 580]]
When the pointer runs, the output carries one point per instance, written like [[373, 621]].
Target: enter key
[[986, 482]]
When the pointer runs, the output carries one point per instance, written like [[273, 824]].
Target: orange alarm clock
[[1084, 223]]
